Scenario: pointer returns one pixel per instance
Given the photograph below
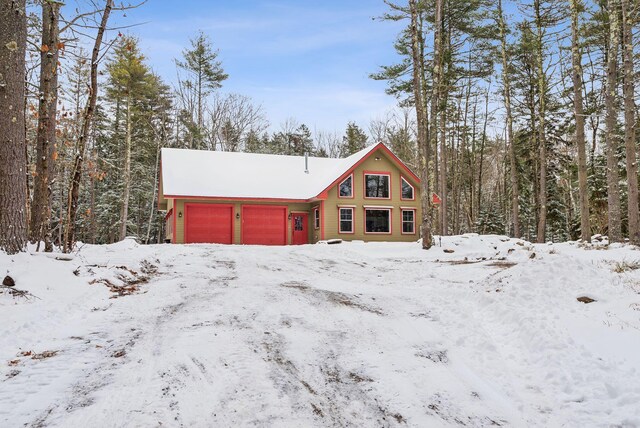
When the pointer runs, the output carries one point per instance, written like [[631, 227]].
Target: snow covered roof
[[218, 174]]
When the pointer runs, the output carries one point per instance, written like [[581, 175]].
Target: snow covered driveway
[[490, 334]]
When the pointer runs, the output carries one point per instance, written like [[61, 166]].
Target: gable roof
[[234, 175]]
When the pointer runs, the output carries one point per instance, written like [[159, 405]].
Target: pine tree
[[353, 141], [130, 81], [205, 74]]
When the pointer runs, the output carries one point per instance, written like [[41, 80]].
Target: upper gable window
[[377, 185], [345, 189], [407, 190]]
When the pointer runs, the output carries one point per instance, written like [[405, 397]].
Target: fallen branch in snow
[[43, 355], [14, 292]]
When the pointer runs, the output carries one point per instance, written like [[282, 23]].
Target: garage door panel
[[208, 224], [264, 225]]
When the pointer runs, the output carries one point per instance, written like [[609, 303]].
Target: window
[[408, 222], [316, 218], [346, 188], [346, 220], [377, 220], [407, 190], [297, 223], [377, 186]]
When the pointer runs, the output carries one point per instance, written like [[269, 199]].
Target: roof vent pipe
[[306, 163]]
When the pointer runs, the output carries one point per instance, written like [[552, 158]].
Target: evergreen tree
[[205, 74], [353, 141]]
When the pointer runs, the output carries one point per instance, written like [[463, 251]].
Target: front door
[[300, 225]]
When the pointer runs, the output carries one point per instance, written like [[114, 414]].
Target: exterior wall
[[316, 234], [383, 165], [237, 208], [169, 221]]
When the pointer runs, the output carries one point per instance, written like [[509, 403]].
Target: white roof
[[217, 174]]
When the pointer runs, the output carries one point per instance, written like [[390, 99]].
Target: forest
[[519, 115]]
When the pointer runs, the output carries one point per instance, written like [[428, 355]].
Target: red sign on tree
[[435, 199]]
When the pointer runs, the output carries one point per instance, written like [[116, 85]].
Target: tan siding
[[383, 164], [169, 206], [237, 208], [329, 218]]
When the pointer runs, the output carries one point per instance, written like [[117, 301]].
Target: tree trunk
[[436, 98], [542, 138], [630, 120], [578, 108], [613, 191], [443, 167], [13, 163], [482, 147], [87, 120], [423, 142], [124, 215], [40, 229], [506, 86]]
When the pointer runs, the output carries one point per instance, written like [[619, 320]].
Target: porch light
[[179, 214], [237, 216], [289, 216]]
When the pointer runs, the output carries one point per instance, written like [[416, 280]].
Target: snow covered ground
[[355, 334]]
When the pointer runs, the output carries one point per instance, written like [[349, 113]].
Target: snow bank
[[477, 331]]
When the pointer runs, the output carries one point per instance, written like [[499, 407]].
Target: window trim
[[364, 223], [353, 220], [402, 210], [316, 218], [364, 183], [350, 176], [413, 189]]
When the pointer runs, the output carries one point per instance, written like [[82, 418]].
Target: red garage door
[[208, 224], [264, 225]]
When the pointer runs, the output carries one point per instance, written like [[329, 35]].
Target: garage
[[264, 225], [212, 224]]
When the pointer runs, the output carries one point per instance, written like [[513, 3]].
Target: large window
[[316, 218], [346, 220], [408, 222], [377, 186], [407, 190], [346, 188], [377, 220]]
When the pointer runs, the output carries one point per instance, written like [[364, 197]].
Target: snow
[[360, 334], [233, 174]]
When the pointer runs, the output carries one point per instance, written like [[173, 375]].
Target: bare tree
[[231, 118], [13, 163], [330, 142], [87, 121]]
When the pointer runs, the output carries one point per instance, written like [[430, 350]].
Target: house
[[248, 198]]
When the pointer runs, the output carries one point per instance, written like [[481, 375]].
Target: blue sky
[[308, 60]]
